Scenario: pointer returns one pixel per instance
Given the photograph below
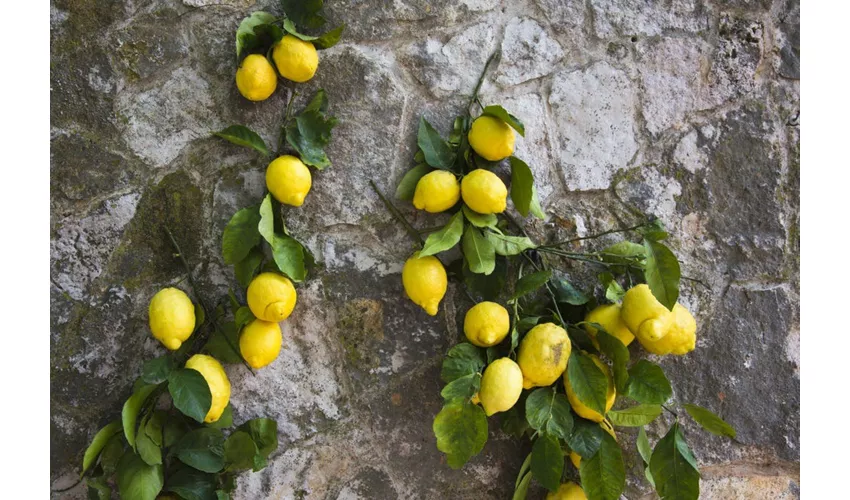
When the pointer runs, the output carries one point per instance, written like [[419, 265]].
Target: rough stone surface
[[685, 109]]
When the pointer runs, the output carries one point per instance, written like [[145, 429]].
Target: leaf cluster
[[259, 32]]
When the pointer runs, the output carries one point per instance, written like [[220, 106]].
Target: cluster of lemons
[[424, 278], [295, 59]]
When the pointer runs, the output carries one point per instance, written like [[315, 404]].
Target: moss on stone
[[361, 324]]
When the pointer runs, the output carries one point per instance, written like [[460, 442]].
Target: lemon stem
[[598, 235], [671, 411], [474, 98], [395, 212], [286, 117]]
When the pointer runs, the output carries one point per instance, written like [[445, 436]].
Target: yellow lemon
[[608, 316], [213, 373], [492, 138], [172, 317], [486, 324], [436, 191], [501, 386], [296, 59], [425, 281], [288, 180], [575, 458], [484, 192], [681, 337], [260, 342], [567, 491], [271, 297], [647, 318], [579, 407], [255, 78], [543, 355]]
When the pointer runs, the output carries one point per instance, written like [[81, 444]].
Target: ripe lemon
[[436, 191], [213, 373], [575, 458], [260, 342], [486, 324], [484, 192], [172, 317], [492, 138], [425, 281], [543, 355], [579, 407], [609, 317], [255, 78], [501, 386], [288, 180], [681, 337], [271, 297], [296, 59], [647, 318], [567, 491]]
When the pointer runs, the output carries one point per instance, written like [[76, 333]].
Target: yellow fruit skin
[[296, 59], [260, 342], [647, 318], [609, 317], [681, 337], [216, 378], [271, 297], [486, 324], [575, 458], [567, 491], [288, 180], [579, 407], [172, 317], [543, 355], [256, 78], [501, 386], [425, 282], [491, 138], [436, 191], [484, 192]]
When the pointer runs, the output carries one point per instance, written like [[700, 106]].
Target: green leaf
[[266, 225], [242, 317], [245, 32], [288, 255], [527, 323], [618, 353], [589, 383], [478, 251], [190, 393], [676, 478], [648, 384], [240, 235], [487, 286], [549, 412], [148, 450], [445, 238], [268, 35], [709, 421], [499, 112], [407, 187], [243, 136], [462, 388], [153, 426], [462, 360], [636, 416], [290, 28], [309, 134], [222, 495], [614, 292], [521, 490], [130, 411], [264, 433], [239, 451], [654, 231], [643, 446], [581, 339], [306, 13], [514, 422], [329, 39], [479, 220], [437, 152], [461, 431], [525, 467], [530, 283], [566, 292], [173, 429], [98, 443], [156, 370], [522, 185], [536, 209], [111, 454], [192, 484], [586, 437], [136, 479], [603, 475], [200, 316], [547, 461], [662, 273], [225, 420], [623, 252], [218, 346], [246, 269], [202, 449], [98, 488], [509, 245]]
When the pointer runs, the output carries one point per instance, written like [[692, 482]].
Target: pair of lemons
[[296, 60]]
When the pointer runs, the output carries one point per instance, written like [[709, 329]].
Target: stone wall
[[687, 109]]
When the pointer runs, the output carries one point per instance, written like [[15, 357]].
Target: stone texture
[[528, 52], [649, 18]]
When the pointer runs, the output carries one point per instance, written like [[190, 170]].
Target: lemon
[[579, 407], [172, 317], [486, 324], [296, 59], [492, 138], [501, 386], [681, 337], [288, 180], [271, 297], [647, 318], [484, 192], [436, 191], [213, 373], [608, 316], [425, 281], [567, 491], [575, 458], [260, 342], [543, 355], [255, 78]]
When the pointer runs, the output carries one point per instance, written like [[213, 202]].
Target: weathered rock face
[[686, 109]]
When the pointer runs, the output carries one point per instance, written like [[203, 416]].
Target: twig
[[287, 115], [671, 411], [395, 212], [480, 81], [696, 281], [599, 235], [63, 490]]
